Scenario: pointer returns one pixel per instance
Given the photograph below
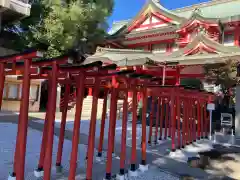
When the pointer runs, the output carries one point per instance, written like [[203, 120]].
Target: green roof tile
[[221, 10]]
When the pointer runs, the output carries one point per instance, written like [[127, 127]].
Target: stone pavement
[[156, 155]]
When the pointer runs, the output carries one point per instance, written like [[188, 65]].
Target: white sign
[[211, 107]]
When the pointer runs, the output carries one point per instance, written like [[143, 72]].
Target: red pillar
[[114, 83], [237, 36], [199, 120], [168, 119], [205, 121], [134, 130], [164, 117], [90, 92], [51, 120], [90, 152], [114, 127], [151, 121], [194, 121], [157, 119], [63, 124], [111, 130], [173, 119], [178, 108], [23, 123], [191, 121], [161, 120], [76, 126], [104, 110], [183, 123], [2, 80], [129, 94], [188, 106], [144, 130], [44, 136], [202, 119], [177, 76], [124, 134]]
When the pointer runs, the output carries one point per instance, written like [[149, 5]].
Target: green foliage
[[223, 74], [63, 25]]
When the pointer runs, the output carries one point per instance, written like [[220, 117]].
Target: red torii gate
[[114, 79]]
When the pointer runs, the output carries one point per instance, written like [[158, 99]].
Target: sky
[[127, 9]]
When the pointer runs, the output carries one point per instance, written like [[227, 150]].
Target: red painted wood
[[90, 91], [173, 119], [157, 119], [23, 123], [151, 120], [76, 128], [166, 118], [162, 119], [237, 37], [51, 120], [205, 120], [162, 17], [178, 114], [44, 136], [90, 151], [63, 124], [183, 122], [104, 111], [137, 23], [25, 56], [199, 119], [113, 108], [156, 35], [2, 80], [124, 133], [144, 128], [134, 130]]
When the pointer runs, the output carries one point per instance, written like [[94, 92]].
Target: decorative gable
[[200, 49], [151, 21]]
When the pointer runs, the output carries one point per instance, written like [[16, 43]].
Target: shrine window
[[13, 91], [229, 40], [160, 48]]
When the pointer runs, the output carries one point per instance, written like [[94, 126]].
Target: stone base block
[[98, 159], [143, 168], [59, 169], [133, 173], [38, 173], [10, 177], [121, 177]]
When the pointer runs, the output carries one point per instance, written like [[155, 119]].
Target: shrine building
[[11, 11], [188, 37]]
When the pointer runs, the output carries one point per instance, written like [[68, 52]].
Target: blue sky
[[127, 9]]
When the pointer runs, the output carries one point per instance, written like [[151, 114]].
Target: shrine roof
[[226, 10], [212, 9], [206, 43], [201, 50], [119, 56]]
